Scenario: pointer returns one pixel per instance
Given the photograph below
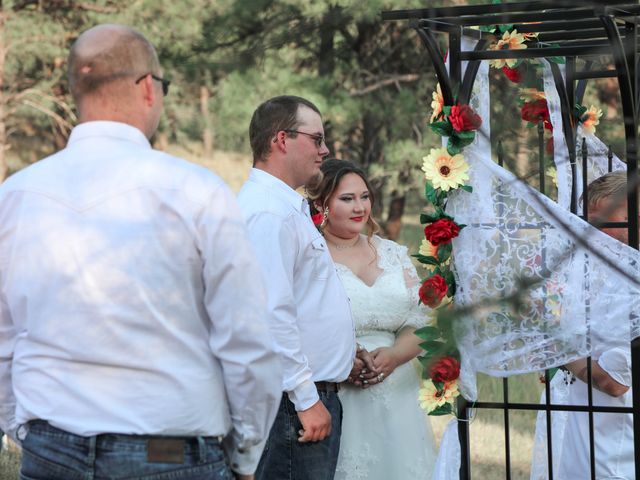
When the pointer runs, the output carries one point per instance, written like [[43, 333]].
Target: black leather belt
[[328, 387]]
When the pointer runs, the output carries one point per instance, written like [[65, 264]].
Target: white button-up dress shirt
[[309, 311], [130, 298]]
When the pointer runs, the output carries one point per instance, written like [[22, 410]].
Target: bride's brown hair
[[322, 187]]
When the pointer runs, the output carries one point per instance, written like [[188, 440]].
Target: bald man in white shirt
[[309, 311], [133, 337]]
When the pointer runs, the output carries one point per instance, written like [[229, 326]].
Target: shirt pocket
[[319, 259]]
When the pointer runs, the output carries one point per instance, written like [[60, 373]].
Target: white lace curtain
[[536, 295]]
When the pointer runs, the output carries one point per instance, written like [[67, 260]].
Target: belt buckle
[[165, 450]]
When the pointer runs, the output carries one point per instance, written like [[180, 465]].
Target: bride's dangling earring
[[325, 217]]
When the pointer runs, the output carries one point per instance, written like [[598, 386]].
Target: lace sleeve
[[418, 313]]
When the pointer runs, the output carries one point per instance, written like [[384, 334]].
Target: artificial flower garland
[[446, 171]]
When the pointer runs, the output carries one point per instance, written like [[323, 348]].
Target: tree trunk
[[207, 130], [3, 128], [394, 218], [326, 55]]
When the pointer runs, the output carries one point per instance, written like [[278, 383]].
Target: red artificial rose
[[317, 218], [549, 146], [536, 111], [464, 119], [514, 74], [433, 291], [444, 369], [441, 231]]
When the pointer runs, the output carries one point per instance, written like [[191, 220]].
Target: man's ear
[[148, 90], [279, 140]]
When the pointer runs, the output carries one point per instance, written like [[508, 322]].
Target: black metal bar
[[541, 169], [595, 74], [438, 12], [507, 445], [592, 448], [567, 128], [547, 403], [609, 160], [585, 193], [470, 76], [564, 34], [552, 407], [438, 64], [537, 52], [455, 62], [582, 85], [569, 82], [568, 25], [516, 17], [463, 438]]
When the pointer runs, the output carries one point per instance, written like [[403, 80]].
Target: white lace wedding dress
[[385, 434]]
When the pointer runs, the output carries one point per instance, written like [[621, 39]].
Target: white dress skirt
[[385, 433]]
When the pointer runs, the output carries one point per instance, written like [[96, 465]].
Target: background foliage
[[371, 79]]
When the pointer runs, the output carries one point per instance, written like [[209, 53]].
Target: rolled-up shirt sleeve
[[276, 243], [240, 337], [617, 363]]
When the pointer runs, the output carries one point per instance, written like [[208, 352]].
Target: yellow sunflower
[[431, 398], [552, 173], [591, 118], [510, 41], [443, 170], [529, 95], [437, 103]]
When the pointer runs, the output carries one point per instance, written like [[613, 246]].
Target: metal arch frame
[[601, 27]]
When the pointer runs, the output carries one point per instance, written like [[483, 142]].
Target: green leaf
[[444, 252], [456, 143], [453, 146], [506, 27], [442, 128], [466, 188], [434, 347], [428, 333], [439, 385], [445, 409], [431, 193], [426, 218], [425, 361], [461, 225], [466, 134], [560, 60], [428, 260]]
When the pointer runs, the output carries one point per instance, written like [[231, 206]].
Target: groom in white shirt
[[132, 327], [308, 308]]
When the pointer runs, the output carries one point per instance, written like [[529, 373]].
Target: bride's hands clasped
[[385, 361]]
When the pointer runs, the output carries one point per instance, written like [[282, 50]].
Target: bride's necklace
[[346, 246]]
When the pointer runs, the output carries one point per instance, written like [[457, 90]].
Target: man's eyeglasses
[[318, 139], [164, 81]]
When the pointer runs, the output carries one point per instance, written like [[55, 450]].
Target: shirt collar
[[283, 190], [104, 128]]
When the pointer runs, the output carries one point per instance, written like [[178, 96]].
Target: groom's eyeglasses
[[318, 139], [164, 81]]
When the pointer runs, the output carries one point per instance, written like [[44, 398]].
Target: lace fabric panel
[[597, 151], [515, 237], [389, 304]]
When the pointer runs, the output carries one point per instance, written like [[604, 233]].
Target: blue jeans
[[53, 454], [284, 458]]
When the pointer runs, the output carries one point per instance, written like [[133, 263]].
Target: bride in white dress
[[385, 434]]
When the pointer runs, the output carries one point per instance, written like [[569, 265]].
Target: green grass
[[9, 464]]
